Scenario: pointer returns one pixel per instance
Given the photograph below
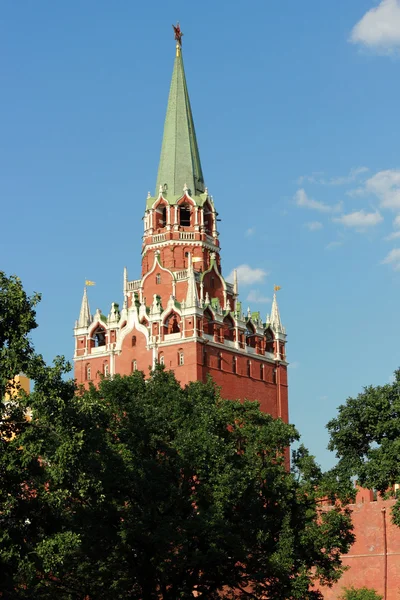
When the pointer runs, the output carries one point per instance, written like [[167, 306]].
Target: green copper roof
[[180, 160]]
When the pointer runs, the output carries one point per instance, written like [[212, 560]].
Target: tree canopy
[[360, 594], [142, 489], [366, 438]]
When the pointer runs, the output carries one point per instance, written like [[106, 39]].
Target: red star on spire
[[178, 33]]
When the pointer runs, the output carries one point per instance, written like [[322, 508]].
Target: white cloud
[[250, 232], [305, 201], [386, 186], [396, 222], [316, 177], [360, 191], [379, 28], [247, 275], [314, 225], [393, 258], [333, 245], [256, 296], [360, 219], [352, 176], [319, 178], [392, 236]]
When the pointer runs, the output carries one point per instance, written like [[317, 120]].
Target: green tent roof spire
[[180, 160]]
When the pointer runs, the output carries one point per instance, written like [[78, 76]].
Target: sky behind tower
[[296, 112]]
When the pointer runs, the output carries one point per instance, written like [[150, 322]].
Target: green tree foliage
[[144, 490], [360, 594], [17, 319], [366, 437]]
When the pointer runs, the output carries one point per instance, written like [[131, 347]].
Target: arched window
[[88, 373], [161, 359], [184, 215], [133, 341], [172, 323], [219, 363], [261, 371], [181, 358], [158, 278], [106, 370], [250, 335], [229, 328], [163, 220], [269, 341], [99, 336], [248, 368], [208, 325], [204, 356], [134, 366], [208, 219], [160, 217], [234, 364]]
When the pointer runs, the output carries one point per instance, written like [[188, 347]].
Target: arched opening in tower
[[184, 215], [208, 322], [99, 337], [269, 341], [250, 335], [172, 323], [229, 328], [208, 219], [161, 216]]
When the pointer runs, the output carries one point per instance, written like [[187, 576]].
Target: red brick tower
[[182, 312]]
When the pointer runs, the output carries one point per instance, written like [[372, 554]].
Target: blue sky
[[296, 112]]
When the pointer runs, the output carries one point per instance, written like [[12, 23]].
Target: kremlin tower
[[181, 312]]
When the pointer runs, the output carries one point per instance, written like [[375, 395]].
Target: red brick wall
[[138, 352], [238, 385], [96, 367], [366, 559], [163, 289]]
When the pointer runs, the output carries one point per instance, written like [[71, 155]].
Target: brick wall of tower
[[233, 385], [97, 365], [133, 349], [159, 282], [247, 382]]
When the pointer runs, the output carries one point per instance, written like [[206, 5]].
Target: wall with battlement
[[375, 555]]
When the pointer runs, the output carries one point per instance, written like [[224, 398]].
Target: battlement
[[374, 557]]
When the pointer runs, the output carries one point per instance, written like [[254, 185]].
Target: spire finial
[[178, 36]]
